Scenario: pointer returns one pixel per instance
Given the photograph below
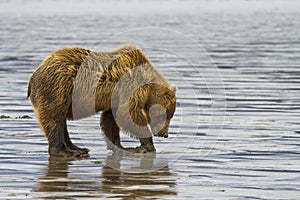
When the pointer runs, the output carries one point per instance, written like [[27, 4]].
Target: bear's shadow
[[141, 177]]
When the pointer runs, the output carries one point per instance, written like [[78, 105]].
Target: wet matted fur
[[74, 83]]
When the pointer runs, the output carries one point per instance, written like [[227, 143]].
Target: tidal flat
[[236, 130]]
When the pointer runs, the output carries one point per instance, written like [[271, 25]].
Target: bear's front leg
[[146, 146], [111, 130]]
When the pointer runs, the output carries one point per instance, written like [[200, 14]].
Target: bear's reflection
[[62, 179], [55, 176], [145, 180]]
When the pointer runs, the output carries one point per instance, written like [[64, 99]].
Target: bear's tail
[[29, 88]]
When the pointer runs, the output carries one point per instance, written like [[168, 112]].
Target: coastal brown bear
[[74, 83]]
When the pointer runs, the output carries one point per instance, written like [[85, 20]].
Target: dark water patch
[[277, 171], [274, 43], [226, 66], [6, 70], [239, 175], [290, 137], [263, 153], [199, 176], [202, 160], [248, 196], [268, 188], [9, 58], [252, 100]]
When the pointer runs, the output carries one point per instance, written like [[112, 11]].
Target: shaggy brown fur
[[73, 83]]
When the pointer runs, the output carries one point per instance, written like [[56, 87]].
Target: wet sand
[[235, 134]]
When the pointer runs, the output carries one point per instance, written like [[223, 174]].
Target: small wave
[[9, 58]]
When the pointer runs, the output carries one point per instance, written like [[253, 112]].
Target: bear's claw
[[140, 149], [81, 150], [75, 152]]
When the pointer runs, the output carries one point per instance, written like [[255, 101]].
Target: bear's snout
[[161, 134], [165, 135], [161, 129]]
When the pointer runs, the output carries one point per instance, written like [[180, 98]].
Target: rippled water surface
[[236, 131]]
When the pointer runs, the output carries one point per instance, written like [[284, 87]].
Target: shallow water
[[236, 131]]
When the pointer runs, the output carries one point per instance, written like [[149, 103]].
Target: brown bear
[[73, 83]]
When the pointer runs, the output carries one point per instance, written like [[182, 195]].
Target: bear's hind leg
[[111, 130], [54, 130]]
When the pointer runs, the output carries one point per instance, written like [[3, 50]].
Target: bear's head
[[144, 100], [160, 110], [152, 105]]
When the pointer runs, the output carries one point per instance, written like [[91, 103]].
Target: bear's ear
[[173, 88], [137, 103], [132, 121]]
